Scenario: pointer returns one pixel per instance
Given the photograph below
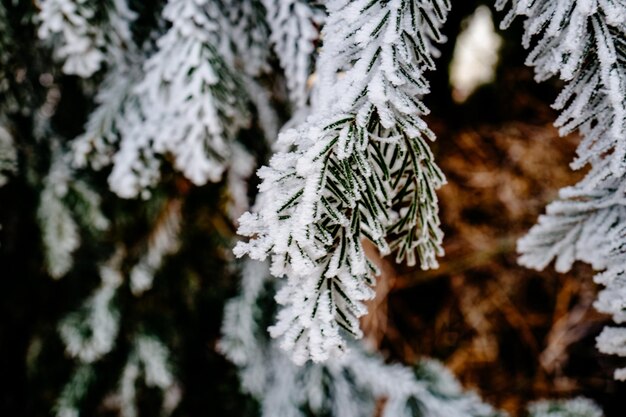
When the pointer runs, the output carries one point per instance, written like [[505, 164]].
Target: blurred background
[[512, 334]]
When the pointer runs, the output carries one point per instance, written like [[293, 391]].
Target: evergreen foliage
[[577, 407], [8, 156], [187, 103], [293, 33], [8, 153], [119, 118], [85, 34], [583, 43], [358, 168], [349, 386]]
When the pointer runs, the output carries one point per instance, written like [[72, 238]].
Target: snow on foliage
[[7, 45], [90, 332], [58, 219], [246, 44], [8, 156], [352, 164], [294, 30], [350, 386], [8, 152], [149, 357], [162, 241], [152, 357], [84, 34], [192, 101], [358, 168], [184, 103], [583, 43], [577, 407], [117, 112], [74, 392]]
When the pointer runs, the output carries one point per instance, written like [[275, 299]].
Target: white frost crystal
[[358, 168], [162, 241], [294, 30], [59, 229], [116, 115], [8, 156], [583, 43], [577, 407], [91, 332], [350, 386], [186, 104], [58, 218], [84, 33], [154, 357]]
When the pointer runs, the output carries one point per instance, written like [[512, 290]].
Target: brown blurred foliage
[[513, 334]]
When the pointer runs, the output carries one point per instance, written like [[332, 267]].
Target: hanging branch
[[360, 168], [584, 44]]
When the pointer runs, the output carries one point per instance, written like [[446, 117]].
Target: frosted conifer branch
[[70, 400], [582, 42], [126, 397], [245, 43], [60, 233], [579, 226], [115, 134], [361, 169], [350, 386], [242, 167], [58, 218], [69, 22], [148, 357], [294, 30], [240, 330], [193, 105], [90, 333], [116, 114], [7, 46], [8, 156], [577, 407], [152, 357], [163, 241], [84, 33], [175, 105], [612, 341]]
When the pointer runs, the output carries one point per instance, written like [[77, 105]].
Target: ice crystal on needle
[[576, 407], [360, 168], [84, 33], [350, 386], [583, 42], [294, 31], [184, 102]]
